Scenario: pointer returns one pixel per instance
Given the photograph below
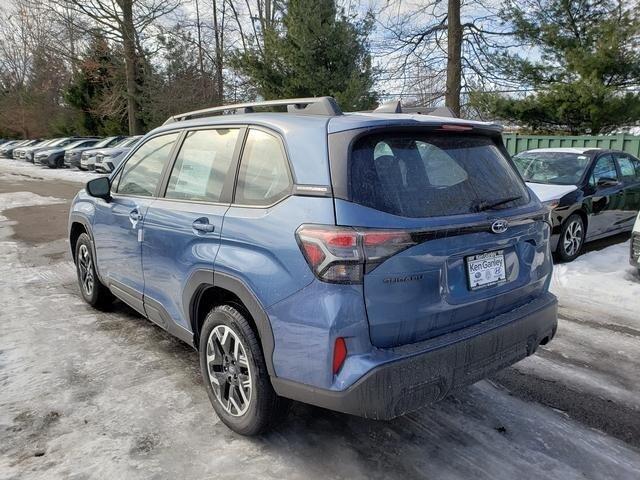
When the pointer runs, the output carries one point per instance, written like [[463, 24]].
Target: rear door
[[629, 168], [607, 200], [478, 242], [182, 227]]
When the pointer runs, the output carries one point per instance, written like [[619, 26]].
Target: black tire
[[98, 296], [571, 238], [264, 407]]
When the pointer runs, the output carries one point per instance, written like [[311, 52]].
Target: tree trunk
[[200, 55], [131, 66], [217, 30], [454, 57]]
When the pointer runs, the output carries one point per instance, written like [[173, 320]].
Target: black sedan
[[592, 193]]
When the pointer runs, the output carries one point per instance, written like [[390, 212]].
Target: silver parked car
[[108, 159]]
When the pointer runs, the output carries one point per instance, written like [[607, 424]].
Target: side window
[[442, 170], [605, 168], [264, 172], [202, 165], [629, 168], [141, 174]]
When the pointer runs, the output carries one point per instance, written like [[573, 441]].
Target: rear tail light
[[342, 255]]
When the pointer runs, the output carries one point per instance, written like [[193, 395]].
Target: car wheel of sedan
[[235, 374], [571, 238], [93, 291]]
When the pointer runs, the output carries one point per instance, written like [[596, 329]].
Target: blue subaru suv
[[368, 263]]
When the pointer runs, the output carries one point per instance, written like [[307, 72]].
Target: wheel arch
[[585, 218], [75, 230], [206, 290]]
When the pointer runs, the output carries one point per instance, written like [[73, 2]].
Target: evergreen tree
[[318, 51], [588, 60], [96, 91]]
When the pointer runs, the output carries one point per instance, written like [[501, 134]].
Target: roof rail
[[395, 106], [310, 106]]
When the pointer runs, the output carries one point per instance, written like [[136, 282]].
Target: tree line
[[124, 66]]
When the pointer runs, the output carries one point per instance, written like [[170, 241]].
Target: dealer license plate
[[486, 269]]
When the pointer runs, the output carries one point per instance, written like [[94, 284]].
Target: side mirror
[[99, 188], [607, 182]]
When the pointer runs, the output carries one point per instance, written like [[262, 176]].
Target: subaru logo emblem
[[499, 226]]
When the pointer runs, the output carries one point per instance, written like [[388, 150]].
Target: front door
[[182, 227], [118, 223]]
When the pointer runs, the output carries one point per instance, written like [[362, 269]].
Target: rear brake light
[[339, 354], [455, 128], [340, 254]]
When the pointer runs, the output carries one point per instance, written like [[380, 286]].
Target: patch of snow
[[27, 169], [604, 281], [24, 199]]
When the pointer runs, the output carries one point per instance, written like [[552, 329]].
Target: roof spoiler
[[395, 106], [326, 106]]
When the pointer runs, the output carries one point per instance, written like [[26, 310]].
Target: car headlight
[[551, 204]]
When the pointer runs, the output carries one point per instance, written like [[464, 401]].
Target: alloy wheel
[[229, 370], [85, 266], [572, 240]]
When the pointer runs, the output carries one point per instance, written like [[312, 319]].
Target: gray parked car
[[53, 157], [106, 160], [7, 148], [31, 152], [20, 152], [72, 156]]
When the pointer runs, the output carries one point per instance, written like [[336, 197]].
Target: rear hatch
[[454, 237]]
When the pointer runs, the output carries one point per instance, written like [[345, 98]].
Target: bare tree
[[219, 19], [454, 44], [126, 22]]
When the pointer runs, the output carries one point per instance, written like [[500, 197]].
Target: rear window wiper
[[483, 205]]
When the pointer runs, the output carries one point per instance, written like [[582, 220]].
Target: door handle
[[203, 225]]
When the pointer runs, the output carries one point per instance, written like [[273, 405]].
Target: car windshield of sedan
[[557, 168]]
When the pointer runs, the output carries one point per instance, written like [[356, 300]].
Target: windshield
[[128, 142], [556, 168], [78, 143], [106, 142], [427, 175]]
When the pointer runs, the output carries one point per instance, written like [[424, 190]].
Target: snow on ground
[[596, 349], [21, 199], [27, 169], [600, 280], [87, 394]]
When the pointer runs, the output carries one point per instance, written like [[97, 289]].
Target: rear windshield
[[427, 175]]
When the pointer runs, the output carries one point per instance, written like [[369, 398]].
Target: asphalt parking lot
[[110, 395]]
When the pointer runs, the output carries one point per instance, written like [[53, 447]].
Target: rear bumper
[[425, 372]]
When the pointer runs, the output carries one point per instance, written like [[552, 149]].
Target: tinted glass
[[202, 165], [430, 175], [629, 167], [557, 168], [128, 142], [142, 172], [107, 142], [605, 168], [264, 172]]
